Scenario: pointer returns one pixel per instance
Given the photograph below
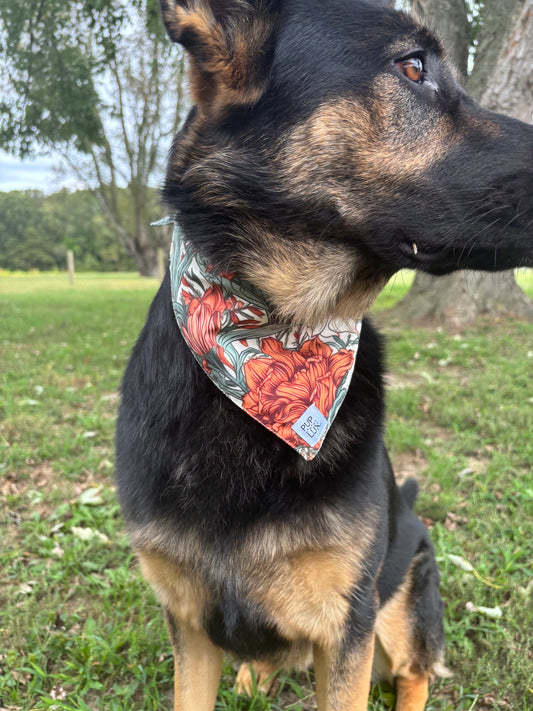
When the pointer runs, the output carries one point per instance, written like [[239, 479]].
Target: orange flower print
[[283, 388], [204, 320]]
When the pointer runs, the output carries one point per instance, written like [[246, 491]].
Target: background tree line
[[37, 230]]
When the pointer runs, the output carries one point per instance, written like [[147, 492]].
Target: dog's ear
[[231, 46]]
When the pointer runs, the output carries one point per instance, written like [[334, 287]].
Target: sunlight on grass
[[24, 282], [28, 282], [395, 289]]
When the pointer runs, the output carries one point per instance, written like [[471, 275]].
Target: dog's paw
[[255, 676]]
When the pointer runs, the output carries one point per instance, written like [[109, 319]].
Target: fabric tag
[[311, 425]]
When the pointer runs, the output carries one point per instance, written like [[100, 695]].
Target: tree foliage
[[36, 230], [98, 82], [53, 50]]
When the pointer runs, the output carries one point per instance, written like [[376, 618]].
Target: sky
[[35, 174]]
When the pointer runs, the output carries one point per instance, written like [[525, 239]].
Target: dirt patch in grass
[[409, 465], [437, 435], [395, 381], [39, 476]]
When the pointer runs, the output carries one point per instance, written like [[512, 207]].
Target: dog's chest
[[270, 592]]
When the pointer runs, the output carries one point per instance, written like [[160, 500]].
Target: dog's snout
[[508, 201]]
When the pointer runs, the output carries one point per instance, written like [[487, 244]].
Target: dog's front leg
[[342, 674], [197, 667]]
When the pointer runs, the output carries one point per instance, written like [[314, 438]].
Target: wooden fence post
[[70, 265], [160, 262]]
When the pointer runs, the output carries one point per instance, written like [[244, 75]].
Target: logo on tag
[[311, 425]]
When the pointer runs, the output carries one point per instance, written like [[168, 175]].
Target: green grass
[[81, 630]]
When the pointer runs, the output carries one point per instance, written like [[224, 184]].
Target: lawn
[[80, 630]]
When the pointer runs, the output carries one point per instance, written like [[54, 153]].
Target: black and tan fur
[[314, 165]]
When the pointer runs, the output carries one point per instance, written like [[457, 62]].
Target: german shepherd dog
[[330, 144]]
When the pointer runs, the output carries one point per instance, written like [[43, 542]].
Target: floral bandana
[[291, 380]]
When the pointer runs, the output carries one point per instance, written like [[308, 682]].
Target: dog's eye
[[412, 68]]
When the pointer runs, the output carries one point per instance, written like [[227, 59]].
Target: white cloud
[[37, 174]]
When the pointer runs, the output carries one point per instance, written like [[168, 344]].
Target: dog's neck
[[291, 379]]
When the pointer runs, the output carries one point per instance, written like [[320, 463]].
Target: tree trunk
[[504, 58], [148, 262], [494, 36], [510, 89], [458, 299], [146, 249]]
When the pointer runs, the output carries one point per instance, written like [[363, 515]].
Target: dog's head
[[330, 145]]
